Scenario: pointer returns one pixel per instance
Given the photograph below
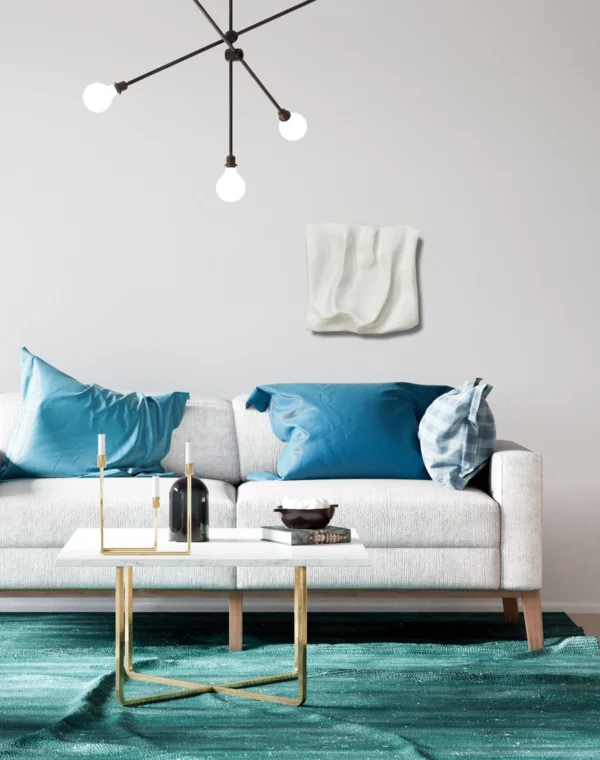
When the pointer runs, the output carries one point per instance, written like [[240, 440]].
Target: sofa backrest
[[207, 422], [11, 407], [259, 448]]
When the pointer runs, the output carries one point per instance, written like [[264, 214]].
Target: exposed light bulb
[[230, 186], [97, 97], [294, 128]]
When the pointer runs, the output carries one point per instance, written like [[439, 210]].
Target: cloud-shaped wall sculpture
[[361, 278]]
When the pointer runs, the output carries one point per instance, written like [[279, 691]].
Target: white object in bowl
[[315, 503]]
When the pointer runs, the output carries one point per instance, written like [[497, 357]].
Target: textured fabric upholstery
[[258, 446], [515, 482], [392, 568], [44, 513], [35, 569], [11, 407], [207, 422], [386, 513]]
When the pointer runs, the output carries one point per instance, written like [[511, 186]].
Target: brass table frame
[[124, 654]]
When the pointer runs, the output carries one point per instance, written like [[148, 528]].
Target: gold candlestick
[[150, 550]]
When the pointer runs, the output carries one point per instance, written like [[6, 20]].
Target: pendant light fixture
[[292, 126]]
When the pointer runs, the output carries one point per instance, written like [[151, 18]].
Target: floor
[[589, 623]]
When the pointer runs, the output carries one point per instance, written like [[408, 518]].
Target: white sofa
[[423, 540]]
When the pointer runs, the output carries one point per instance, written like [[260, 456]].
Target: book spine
[[303, 537], [319, 538]]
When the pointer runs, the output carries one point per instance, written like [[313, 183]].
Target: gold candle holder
[[149, 551]]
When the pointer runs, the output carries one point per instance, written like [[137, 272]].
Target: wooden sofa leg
[[511, 609], [236, 621], [532, 612]]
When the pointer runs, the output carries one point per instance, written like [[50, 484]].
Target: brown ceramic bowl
[[314, 519]]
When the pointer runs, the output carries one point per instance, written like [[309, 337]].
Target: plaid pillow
[[457, 434]]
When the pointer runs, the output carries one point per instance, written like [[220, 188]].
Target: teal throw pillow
[[349, 430], [58, 432]]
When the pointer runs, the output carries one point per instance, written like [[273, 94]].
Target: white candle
[[188, 453], [101, 444], [155, 486]]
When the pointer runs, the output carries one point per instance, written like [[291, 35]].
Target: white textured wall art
[[361, 278]]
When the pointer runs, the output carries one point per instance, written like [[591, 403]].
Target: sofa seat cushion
[[36, 569], [44, 513], [390, 569], [386, 513]]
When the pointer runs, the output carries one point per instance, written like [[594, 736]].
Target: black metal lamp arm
[[231, 46], [124, 85], [174, 63]]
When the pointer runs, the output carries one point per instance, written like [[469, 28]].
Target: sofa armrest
[[515, 482]]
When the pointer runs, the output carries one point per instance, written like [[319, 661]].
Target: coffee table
[[231, 547]]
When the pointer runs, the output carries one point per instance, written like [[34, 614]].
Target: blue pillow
[[57, 436], [346, 430], [457, 434]]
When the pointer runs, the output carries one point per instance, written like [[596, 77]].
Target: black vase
[[178, 510]]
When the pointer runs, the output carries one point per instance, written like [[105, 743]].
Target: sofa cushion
[[259, 448], [207, 422], [386, 513], [346, 430], [37, 569], [43, 513], [390, 569], [57, 436], [457, 434], [11, 408]]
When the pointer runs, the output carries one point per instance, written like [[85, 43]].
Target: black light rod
[[231, 108], [213, 23], [175, 62], [231, 85], [260, 84], [277, 15], [214, 44], [221, 34]]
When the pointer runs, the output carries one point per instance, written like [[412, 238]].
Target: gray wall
[[475, 121]]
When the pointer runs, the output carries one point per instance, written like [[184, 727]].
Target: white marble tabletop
[[229, 547]]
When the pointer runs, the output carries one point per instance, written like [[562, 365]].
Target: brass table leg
[[124, 654]]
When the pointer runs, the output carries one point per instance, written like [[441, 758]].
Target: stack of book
[[306, 536]]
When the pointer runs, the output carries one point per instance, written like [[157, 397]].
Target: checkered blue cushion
[[457, 434]]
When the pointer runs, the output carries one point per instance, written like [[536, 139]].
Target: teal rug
[[438, 687]]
